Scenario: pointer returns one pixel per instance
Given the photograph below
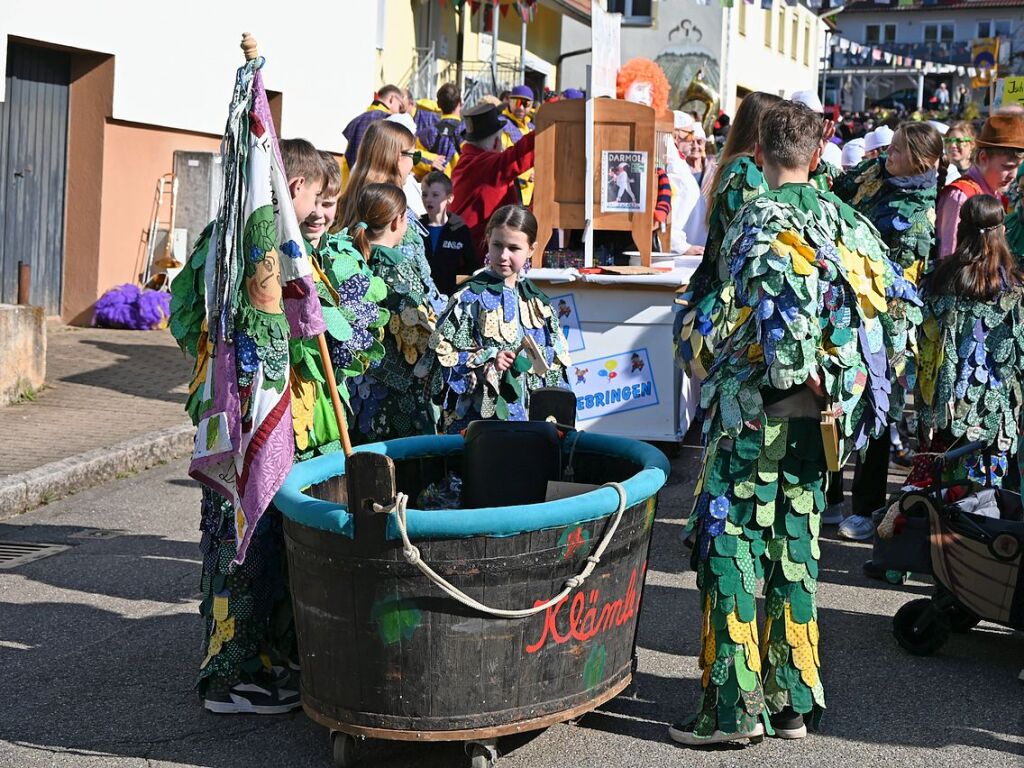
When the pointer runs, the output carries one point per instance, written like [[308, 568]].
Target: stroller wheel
[[961, 620], [919, 628]]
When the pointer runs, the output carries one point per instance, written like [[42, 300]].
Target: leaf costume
[[483, 318], [971, 375], [1015, 219], [252, 598], [902, 208], [740, 182], [808, 298], [825, 175], [388, 401]]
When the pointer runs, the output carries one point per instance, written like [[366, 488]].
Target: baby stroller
[[976, 546]]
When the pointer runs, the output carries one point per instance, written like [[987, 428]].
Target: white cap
[[832, 154], [683, 121], [698, 132], [853, 153], [808, 99], [879, 138], [403, 120], [940, 127]]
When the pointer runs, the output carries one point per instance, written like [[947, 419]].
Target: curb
[[25, 490]]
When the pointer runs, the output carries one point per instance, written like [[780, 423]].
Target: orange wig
[[646, 71]]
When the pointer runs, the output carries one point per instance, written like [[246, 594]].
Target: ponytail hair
[[982, 266], [516, 218], [377, 205]]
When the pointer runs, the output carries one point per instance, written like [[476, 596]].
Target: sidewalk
[[113, 404]]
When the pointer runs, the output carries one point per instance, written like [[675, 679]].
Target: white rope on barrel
[[412, 556]]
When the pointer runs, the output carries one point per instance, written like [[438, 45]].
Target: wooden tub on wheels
[[386, 654]]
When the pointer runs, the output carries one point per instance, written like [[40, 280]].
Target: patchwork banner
[[613, 384], [564, 307]]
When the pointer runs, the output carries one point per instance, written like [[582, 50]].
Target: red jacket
[[484, 181]]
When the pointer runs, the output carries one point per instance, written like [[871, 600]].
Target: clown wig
[[646, 71]]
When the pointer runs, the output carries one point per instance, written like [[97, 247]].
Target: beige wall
[[762, 62], [399, 50], [136, 156]]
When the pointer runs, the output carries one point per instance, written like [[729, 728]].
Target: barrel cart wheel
[[920, 628], [482, 754], [343, 749]]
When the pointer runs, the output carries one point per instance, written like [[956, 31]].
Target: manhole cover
[[15, 553], [98, 533]]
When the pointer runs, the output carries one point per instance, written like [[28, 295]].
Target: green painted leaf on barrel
[[396, 619], [593, 671]]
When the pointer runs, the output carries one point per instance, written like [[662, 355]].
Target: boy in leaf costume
[[480, 364], [246, 604], [809, 331]]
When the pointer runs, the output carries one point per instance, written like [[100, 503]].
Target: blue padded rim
[[489, 521]]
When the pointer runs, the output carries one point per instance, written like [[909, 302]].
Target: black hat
[[482, 121]]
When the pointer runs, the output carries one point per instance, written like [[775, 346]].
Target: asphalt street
[[99, 646]]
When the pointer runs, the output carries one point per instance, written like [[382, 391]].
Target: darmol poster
[[625, 184], [564, 307], [613, 384]]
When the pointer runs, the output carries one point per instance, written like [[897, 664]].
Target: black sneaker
[[682, 733], [789, 724], [265, 697]]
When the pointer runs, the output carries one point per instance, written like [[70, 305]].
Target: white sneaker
[[857, 527], [682, 733], [833, 514]]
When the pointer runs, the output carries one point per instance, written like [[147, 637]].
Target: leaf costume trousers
[[247, 608], [758, 517]]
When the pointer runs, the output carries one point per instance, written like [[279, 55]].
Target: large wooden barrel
[[387, 654]]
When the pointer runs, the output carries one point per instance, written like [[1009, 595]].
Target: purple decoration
[[128, 307]]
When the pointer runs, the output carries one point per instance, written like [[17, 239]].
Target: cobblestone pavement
[[103, 386]]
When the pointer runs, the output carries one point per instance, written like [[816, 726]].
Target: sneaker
[[682, 733], [789, 724], [857, 527], [833, 514], [253, 699]]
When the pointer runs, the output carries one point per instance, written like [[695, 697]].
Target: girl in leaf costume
[[388, 401], [1015, 219], [972, 349], [897, 193], [476, 366], [807, 307], [737, 181]]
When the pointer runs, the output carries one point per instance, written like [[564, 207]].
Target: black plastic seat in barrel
[[509, 462]]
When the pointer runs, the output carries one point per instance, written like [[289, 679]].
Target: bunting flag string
[[876, 56]]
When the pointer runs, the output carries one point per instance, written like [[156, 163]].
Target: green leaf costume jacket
[[902, 208], [483, 318], [388, 401], [972, 368]]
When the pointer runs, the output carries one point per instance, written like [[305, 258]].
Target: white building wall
[[682, 38], [175, 62], [910, 24], [760, 61], [573, 71]]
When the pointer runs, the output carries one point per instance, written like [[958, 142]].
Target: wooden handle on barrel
[[248, 46]]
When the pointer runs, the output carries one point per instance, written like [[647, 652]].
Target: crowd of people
[[857, 281]]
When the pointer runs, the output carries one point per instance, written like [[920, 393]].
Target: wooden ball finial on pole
[[249, 46]]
